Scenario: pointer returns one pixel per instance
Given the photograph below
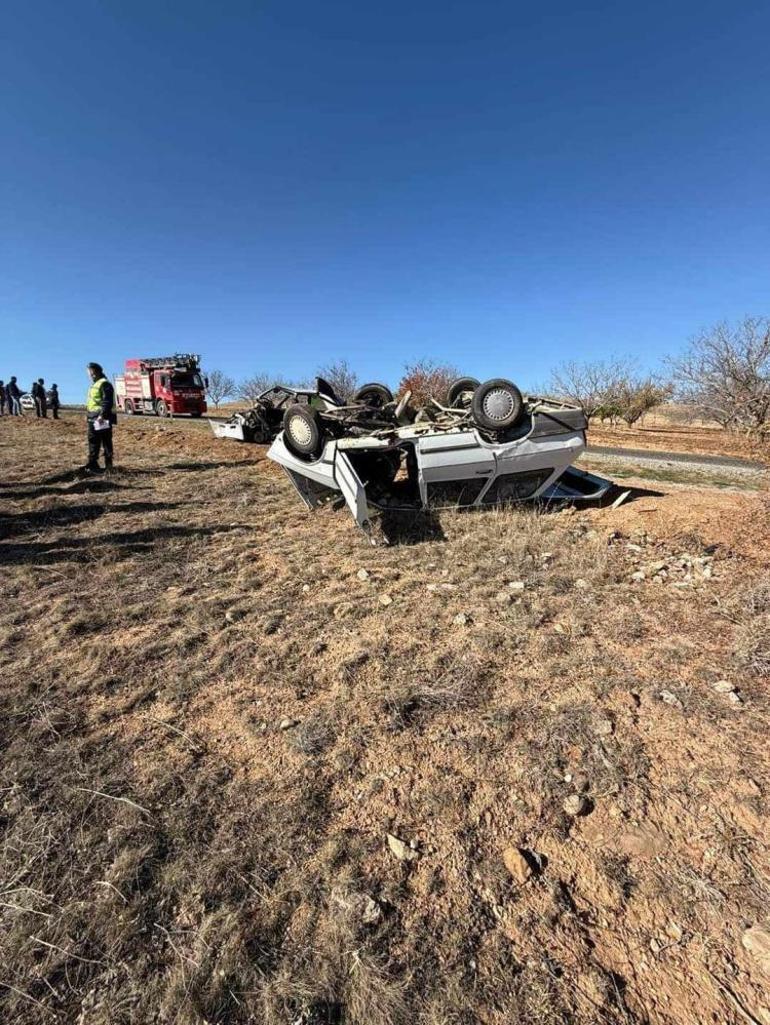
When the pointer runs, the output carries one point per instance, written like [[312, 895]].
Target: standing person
[[14, 397], [2, 399], [100, 410], [38, 394], [53, 401]]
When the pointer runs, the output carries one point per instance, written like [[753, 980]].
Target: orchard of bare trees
[[610, 390], [722, 376]]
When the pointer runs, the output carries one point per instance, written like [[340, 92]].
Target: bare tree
[[252, 387], [611, 390], [725, 374], [426, 380], [592, 385], [219, 386], [636, 395], [341, 377]]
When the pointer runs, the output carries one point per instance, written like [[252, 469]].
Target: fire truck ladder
[[180, 359]]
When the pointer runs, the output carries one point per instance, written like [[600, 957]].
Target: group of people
[[100, 412], [11, 395]]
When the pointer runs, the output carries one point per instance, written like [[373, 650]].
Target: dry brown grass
[[169, 853]]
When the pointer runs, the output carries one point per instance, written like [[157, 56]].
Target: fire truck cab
[[163, 385]]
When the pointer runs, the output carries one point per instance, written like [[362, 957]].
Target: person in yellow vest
[[100, 410]]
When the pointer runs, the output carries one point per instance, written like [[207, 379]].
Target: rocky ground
[[512, 767]]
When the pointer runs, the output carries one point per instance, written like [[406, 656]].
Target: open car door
[[352, 489]]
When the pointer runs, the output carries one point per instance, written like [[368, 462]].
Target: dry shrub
[[752, 646], [749, 609], [314, 734], [427, 380], [408, 696]]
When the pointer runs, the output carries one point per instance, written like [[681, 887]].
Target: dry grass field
[[512, 768]]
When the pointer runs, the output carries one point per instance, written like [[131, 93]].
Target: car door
[[351, 487], [454, 468]]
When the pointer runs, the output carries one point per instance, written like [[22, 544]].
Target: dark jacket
[[108, 403], [53, 398], [12, 390]]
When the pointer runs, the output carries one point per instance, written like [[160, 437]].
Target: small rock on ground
[[370, 910], [363, 574], [723, 687], [461, 619], [385, 599], [517, 864], [576, 804], [670, 699], [401, 850], [757, 941], [287, 724]]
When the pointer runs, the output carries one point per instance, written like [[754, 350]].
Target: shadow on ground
[[410, 528], [85, 549], [70, 515], [193, 466]]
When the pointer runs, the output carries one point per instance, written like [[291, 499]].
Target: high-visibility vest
[[94, 398]]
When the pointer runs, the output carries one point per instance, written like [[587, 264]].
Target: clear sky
[[278, 184]]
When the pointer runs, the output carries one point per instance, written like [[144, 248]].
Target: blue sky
[[499, 185]]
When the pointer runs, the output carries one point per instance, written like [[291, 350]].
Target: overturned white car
[[487, 446]]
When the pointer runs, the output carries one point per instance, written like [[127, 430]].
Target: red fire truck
[[164, 385]]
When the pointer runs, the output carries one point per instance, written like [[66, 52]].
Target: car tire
[[128, 407], [497, 405], [374, 395], [457, 396], [302, 431], [161, 408]]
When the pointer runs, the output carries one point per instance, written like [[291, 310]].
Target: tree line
[[723, 375]]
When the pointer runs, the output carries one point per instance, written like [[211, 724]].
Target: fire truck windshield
[[183, 380]]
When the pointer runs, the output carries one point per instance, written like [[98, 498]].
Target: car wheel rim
[[300, 431], [498, 404]]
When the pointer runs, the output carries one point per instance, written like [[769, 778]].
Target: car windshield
[[186, 381]]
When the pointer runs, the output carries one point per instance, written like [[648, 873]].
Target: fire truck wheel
[[161, 408], [128, 407], [195, 416], [497, 405], [302, 431]]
